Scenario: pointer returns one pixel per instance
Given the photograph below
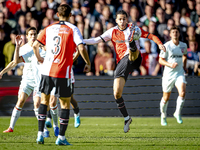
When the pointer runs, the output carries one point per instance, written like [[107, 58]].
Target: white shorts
[[168, 84], [26, 88]]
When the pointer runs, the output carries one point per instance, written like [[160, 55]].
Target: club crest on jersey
[[182, 49]]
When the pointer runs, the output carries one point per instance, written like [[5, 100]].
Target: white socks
[[163, 108], [54, 115], [15, 115], [179, 105], [36, 112], [61, 137], [126, 118]]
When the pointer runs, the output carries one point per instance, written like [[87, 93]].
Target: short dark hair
[[175, 28], [64, 10], [121, 12], [29, 29]]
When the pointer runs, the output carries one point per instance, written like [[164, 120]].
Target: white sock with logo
[[179, 105], [54, 114], [163, 108], [15, 115]]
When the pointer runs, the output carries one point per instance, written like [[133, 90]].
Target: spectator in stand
[[2, 4], [126, 7], [99, 27], [190, 7], [169, 9], [2, 43], [112, 7], [148, 16], [72, 19], [104, 62], [185, 20], [194, 16], [97, 10], [150, 64], [152, 30], [9, 48], [50, 15], [105, 17], [160, 16], [22, 11], [165, 35], [34, 23], [191, 35], [22, 26], [28, 17], [162, 4], [52, 4], [13, 6], [11, 21], [42, 13], [45, 23], [32, 8], [5, 26], [134, 16], [76, 7], [177, 18], [193, 56]]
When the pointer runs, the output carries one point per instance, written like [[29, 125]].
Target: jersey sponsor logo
[[119, 41], [176, 56]]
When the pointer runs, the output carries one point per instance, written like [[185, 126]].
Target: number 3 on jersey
[[56, 45]]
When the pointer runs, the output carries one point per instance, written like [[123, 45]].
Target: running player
[[174, 60], [127, 54], [61, 39], [30, 75]]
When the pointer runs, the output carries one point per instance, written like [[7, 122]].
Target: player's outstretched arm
[[85, 56], [36, 46], [92, 41], [9, 67]]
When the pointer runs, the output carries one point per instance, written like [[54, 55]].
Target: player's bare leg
[[64, 119], [118, 87], [163, 107], [22, 97], [75, 107], [180, 102]]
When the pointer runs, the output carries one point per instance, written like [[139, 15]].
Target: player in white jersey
[[174, 60], [28, 84]]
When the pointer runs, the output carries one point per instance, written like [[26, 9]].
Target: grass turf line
[[99, 133]]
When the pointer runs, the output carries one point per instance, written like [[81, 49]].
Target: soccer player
[[61, 38], [29, 78], [174, 60], [127, 54]]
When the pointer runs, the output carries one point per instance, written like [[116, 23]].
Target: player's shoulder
[[182, 44], [167, 44]]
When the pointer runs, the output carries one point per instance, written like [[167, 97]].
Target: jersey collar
[[124, 29]]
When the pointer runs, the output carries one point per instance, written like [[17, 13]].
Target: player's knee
[[117, 95], [182, 94]]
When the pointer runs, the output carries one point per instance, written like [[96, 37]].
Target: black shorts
[[63, 86], [125, 66], [72, 88]]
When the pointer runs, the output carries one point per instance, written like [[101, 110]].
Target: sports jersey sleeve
[[185, 50], [77, 37], [27, 58], [150, 36], [106, 36], [163, 54], [42, 37]]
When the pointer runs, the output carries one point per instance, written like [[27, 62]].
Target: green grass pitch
[[106, 133]]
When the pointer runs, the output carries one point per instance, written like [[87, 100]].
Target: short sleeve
[[77, 37], [28, 57], [42, 37], [185, 50]]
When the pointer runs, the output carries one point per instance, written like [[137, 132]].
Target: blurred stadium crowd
[[93, 17]]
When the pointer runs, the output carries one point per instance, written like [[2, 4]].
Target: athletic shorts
[[124, 67], [26, 88], [168, 84], [62, 86], [54, 90]]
